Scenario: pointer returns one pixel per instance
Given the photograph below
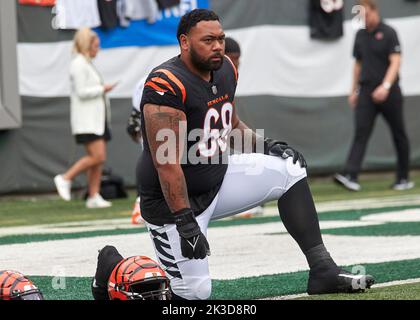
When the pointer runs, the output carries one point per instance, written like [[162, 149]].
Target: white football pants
[[251, 180]]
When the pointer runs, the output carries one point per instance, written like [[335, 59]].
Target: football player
[[134, 131], [134, 122], [185, 185]]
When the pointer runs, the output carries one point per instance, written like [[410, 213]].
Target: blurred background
[[292, 85]]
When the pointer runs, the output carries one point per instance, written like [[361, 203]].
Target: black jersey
[[208, 107], [108, 13], [372, 50], [326, 19]]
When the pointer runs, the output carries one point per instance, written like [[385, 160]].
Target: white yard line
[[380, 285], [371, 203], [70, 227], [112, 224], [259, 247]]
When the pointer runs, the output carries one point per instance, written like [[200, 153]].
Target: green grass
[[33, 210], [373, 185], [78, 288], [399, 292], [387, 230]]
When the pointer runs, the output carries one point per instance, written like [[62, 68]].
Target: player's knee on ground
[[195, 290]]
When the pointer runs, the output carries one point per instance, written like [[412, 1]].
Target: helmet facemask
[[148, 289], [138, 278], [30, 295]]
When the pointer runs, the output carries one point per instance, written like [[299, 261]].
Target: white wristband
[[387, 85]]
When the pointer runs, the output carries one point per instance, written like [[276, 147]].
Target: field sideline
[[377, 229]]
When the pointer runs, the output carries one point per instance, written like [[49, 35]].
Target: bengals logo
[[379, 36]]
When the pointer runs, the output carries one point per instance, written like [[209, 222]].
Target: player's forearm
[[356, 76], [393, 69], [174, 187], [158, 121]]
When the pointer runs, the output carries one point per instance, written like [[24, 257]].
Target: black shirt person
[[376, 91]]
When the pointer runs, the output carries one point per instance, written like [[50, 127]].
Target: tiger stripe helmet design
[[138, 278], [16, 286]]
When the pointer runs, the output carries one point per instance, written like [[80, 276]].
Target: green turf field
[[32, 210], [59, 223], [398, 292], [263, 287]]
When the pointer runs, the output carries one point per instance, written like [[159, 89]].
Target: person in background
[[134, 131], [233, 51], [376, 90], [90, 119]]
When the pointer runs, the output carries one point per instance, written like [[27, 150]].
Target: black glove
[[283, 150], [194, 244], [134, 125]]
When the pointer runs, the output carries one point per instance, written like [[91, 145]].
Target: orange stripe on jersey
[[173, 78], [234, 68], [165, 83], [154, 86]]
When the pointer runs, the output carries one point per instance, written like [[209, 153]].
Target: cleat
[[136, 217], [255, 212], [336, 280]]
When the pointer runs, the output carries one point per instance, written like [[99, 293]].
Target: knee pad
[[295, 174], [192, 290], [203, 290]]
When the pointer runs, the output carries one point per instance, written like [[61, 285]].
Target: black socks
[[298, 213], [319, 258]]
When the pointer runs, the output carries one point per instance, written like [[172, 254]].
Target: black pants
[[365, 116]]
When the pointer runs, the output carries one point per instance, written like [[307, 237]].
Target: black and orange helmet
[[16, 286], [138, 278]]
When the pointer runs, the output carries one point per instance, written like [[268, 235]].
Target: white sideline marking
[[124, 223], [380, 285], [247, 243], [370, 203]]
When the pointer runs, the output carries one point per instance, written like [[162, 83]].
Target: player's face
[[207, 45], [372, 17], [94, 48]]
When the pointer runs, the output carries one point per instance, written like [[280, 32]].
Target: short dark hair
[[231, 46], [190, 20]]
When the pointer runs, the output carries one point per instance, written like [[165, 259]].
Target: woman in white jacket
[[90, 118]]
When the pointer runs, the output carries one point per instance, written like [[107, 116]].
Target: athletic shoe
[[336, 280], [136, 217], [347, 182], [403, 185], [255, 212], [63, 187], [97, 202]]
